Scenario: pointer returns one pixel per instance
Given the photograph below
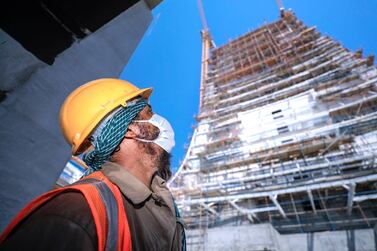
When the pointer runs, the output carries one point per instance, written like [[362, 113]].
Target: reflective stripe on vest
[[106, 204], [111, 207]]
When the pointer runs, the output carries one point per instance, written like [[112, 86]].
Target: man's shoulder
[[67, 201], [70, 205], [63, 220]]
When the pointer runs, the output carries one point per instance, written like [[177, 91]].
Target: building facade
[[286, 135]]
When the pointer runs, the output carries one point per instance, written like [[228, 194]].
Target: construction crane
[[281, 7], [202, 15], [205, 30], [207, 43]]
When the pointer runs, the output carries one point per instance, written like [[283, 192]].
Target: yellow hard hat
[[89, 104]]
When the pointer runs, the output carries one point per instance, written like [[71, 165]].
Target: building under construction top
[[286, 134]]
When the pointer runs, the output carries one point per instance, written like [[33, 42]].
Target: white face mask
[[165, 138]]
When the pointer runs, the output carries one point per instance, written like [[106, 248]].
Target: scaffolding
[[286, 134]]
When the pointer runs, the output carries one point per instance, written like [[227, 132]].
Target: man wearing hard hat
[[122, 202]]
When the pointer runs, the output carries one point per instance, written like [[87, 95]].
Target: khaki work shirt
[[150, 213]]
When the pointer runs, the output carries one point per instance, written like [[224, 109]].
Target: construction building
[[286, 136]]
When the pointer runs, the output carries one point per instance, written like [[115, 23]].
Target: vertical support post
[[312, 201], [351, 193], [296, 213]]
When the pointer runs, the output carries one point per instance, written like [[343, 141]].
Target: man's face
[[158, 156]]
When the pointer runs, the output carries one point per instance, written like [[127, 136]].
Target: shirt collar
[[131, 187]]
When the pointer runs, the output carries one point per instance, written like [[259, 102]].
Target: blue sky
[[168, 58]]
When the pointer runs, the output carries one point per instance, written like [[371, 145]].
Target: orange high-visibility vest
[[106, 204]]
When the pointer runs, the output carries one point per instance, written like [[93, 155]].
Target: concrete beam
[[208, 208], [261, 210], [324, 185], [365, 197], [273, 198], [241, 210]]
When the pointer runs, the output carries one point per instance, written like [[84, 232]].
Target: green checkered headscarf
[[109, 135]]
